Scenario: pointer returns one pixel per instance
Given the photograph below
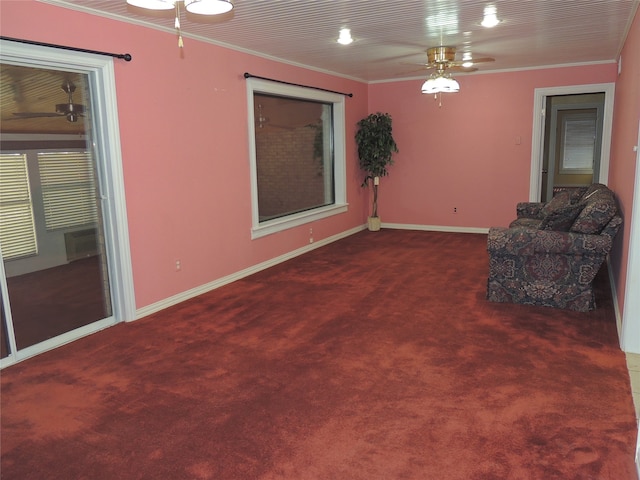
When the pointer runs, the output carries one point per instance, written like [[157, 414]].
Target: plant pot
[[373, 223]]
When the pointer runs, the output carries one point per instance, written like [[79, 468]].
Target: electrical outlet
[[178, 265], [455, 210], [311, 235]]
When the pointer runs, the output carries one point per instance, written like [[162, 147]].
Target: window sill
[[280, 224]]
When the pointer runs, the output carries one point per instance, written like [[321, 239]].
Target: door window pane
[[578, 142]]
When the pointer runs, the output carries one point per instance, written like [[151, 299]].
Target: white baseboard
[[194, 292], [435, 228], [616, 306]]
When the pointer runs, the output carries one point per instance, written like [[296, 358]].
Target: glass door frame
[[106, 147]]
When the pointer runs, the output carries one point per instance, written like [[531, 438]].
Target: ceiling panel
[[390, 36]]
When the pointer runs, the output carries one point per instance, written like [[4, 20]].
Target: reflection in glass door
[[55, 278]]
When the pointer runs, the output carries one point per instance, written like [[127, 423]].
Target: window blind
[[17, 226], [68, 189], [579, 142]]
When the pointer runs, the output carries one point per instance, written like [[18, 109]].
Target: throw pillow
[[559, 201], [600, 209], [561, 220]]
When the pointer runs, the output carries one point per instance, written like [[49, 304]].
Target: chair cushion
[[525, 223]]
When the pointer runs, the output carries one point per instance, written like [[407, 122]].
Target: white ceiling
[[391, 36]]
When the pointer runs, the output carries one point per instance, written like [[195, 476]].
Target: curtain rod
[[125, 56], [248, 75]]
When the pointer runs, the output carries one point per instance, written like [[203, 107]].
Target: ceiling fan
[[72, 111], [443, 58]]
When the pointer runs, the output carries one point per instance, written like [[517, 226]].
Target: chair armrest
[[529, 210], [526, 241]]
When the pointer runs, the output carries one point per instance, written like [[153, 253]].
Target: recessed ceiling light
[[345, 37]]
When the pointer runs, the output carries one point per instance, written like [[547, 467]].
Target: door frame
[[539, 114], [106, 130], [630, 335]]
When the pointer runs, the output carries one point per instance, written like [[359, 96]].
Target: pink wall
[[623, 158], [183, 127], [185, 154], [473, 153]]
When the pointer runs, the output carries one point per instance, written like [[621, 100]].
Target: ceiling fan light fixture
[[440, 84], [153, 4], [208, 7]]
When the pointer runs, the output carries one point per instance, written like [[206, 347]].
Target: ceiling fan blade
[[19, 115], [473, 61], [460, 68], [483, 60], [425, 66]]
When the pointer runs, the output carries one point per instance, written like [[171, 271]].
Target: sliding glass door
[[51, 231], [65, 268]]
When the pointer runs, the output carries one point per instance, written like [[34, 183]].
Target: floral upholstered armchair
[[551, 253]]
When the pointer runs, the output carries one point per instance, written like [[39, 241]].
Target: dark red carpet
[[376, 357]]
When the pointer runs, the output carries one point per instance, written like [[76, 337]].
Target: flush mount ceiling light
[[490, 18], [198, 7], [345, 37], [208, 7], [152, 4]]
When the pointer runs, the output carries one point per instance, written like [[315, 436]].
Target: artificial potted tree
[[375, 149]]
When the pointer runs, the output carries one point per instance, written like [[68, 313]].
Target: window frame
[[260, 86]]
